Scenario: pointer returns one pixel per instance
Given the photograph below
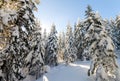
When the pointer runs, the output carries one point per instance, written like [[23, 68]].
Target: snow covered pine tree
[[78, 39], [70, 49], [101, 49], [44, 38], [35, 59], [61, 46], [17, 31], [86, 24], [52, 48], [116, 32]]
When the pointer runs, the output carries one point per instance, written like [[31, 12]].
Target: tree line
[[92, 38]]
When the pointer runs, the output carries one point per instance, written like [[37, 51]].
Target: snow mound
[[47, 68], [45, 78]]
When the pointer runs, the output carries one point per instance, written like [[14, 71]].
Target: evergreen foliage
[[52, 48], [20, 54], [71, 50], [61, 46], [24, 50], [78, 39], [100, 47]]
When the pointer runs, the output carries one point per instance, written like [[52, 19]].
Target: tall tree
[[61, 46], [35, 59], [117, 32], [101, 49], [44, 42], [70, 52], [52, 48], [78, 39], [86, 24], [112, 31], [17, 29]]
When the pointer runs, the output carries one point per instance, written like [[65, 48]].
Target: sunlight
[[83, 66], [47, 27]]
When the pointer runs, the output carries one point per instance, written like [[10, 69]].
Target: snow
[[110, 45], [97, 15], [5, 14], [47, 68], [29, 78], [45, 78], [73, 72], [101, 74], [37, 1], [1, 74], [29, 57], [15, 31], [24, 29]]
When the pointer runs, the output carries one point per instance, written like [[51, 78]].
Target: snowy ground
[[74, 72]]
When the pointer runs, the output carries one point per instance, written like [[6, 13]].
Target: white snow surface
[[73, 72]]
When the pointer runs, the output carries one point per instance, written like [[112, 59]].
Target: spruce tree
[[61, 46], [78, 39], [70, 51], [17, 29], [116, 32], [35, 59], [86, 24], [111, 29], [52, 48], [101, 50], [44, 42]]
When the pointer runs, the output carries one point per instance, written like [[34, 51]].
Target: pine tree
[[52, 48], [78, 39], [70, 52], [86, 24], [116, 32], [101, 49], [61, 46], [17, 29], [111, 29], [44, 42], [63, 40], [35, 59]]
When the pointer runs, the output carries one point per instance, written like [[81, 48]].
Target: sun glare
[[45, 27]]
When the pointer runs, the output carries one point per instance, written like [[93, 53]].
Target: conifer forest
[[28, 54]]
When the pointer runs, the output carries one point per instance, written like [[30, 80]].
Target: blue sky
[[63, 11]]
